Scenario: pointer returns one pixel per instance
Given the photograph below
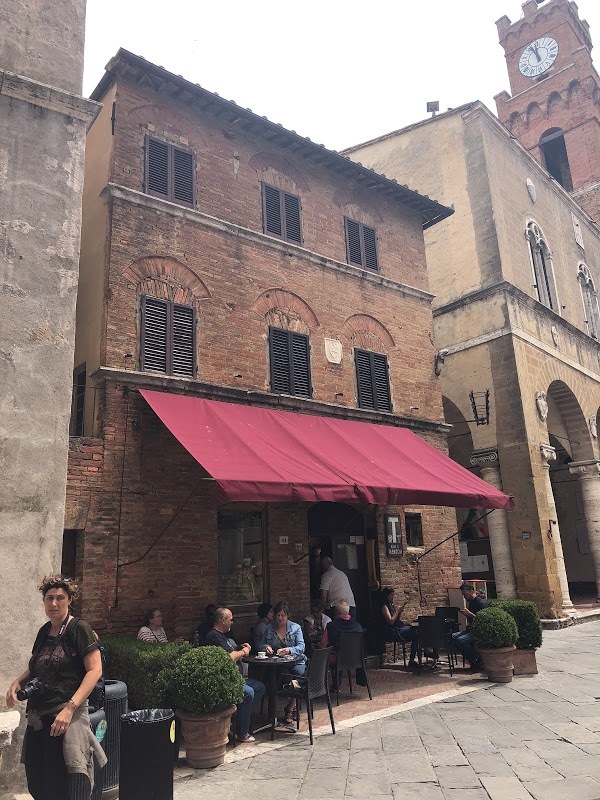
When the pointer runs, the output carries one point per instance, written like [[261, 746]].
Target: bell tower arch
[[549, 59]]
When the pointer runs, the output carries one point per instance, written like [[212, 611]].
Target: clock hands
[[535, 50]]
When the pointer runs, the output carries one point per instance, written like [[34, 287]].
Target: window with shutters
[[372, 380], [290, 362], [281, 214], [361, 245], [170, 172], [168, 338]]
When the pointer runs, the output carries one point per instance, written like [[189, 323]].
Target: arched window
[[554, 156], [541, 263], [589, 296]]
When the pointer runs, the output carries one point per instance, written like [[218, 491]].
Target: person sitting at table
[[463, 640], [341, 623], [285, 638], [253, 690], [205, 626], [259, 632], [315, 623], [152, 630], [392, 627]]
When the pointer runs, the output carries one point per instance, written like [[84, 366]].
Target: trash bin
[[98, 727], [147, 738], [115, 704]]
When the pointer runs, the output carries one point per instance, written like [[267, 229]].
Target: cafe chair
[[311, 686], [351, 656], [449, 614], [432, 639]]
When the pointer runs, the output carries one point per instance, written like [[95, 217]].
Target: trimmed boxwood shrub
[[526, 615], [138, 665], [204, 679], [493, 627]]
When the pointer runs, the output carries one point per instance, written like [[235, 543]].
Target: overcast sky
[[337, 71]]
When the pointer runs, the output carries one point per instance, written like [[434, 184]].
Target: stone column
[[487, 461], [9, 722], [588, 473], [548, 454]]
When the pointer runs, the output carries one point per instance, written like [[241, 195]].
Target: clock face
[[538, 56]]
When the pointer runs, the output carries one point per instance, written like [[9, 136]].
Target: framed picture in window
[[393, 536]]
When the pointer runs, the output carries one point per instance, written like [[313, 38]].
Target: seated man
[[205, 626], [253, 690], [463, 640], [341, 623]]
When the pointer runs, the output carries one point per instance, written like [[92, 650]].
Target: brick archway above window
[[283, 309], [264, 161], [368, 333], [169, 122], [354, 198], [166, 278]]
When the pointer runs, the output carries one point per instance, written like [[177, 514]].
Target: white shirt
[[325, 620], [336, 583]]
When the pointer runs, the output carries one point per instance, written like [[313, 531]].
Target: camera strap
[[41, 639]]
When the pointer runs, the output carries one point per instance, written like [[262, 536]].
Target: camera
[[31, 688]]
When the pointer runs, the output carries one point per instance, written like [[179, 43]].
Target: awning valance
[[260, 454]]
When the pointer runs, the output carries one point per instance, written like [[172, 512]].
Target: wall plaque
[[393, 536]]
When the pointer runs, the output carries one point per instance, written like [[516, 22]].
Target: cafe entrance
[[342, 531]]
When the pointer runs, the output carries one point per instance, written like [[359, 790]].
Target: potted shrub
[[495, 633], [529, 627], [203, 686]]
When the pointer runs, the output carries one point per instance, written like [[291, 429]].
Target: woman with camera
[[59, 749]]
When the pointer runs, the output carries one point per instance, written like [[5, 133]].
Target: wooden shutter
[[154, 335], [381, 382], [353, 248], [372, 380], [157, 167], [183, 349], [279, 351], [293, 231], [370, 247], [272, 210], [300, 358], [183, 177]]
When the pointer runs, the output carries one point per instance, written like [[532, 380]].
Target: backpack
[[96, 697]]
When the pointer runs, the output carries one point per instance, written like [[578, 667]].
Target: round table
[[273, 665]]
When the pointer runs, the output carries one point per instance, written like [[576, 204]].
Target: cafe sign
[[393, 536]]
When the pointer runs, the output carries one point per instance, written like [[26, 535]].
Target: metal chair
[[432, 638], [313, 685], [350, 655], [449, 614]]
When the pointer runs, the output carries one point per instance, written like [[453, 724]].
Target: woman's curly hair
[[59, 582]]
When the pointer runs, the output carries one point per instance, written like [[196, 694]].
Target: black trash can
[[115, 704], [99, 727], [147, 738]]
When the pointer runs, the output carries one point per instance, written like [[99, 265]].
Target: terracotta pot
[[498, 663], [524, 662], [205, 737]]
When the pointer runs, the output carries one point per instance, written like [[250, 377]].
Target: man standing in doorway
[[335, 586]]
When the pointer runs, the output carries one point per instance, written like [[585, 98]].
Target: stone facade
[[43, 123], [496, 334], [144, 512]]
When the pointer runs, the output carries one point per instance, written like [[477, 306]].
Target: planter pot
[[205, 737], [498, 663], [524, 662]]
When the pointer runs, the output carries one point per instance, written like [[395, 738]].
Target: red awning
[[257, 454]]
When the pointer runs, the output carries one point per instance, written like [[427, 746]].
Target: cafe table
[[273, 666]]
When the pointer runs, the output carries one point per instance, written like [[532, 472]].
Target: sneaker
[[246, 739]]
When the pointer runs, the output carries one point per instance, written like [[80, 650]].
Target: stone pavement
[[538, 737]]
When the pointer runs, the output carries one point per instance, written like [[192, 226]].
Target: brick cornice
[[48, 97], [115, 192], [230, 394]]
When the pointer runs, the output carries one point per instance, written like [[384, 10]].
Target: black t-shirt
[[476, 604], [62, 671], [218, 639]]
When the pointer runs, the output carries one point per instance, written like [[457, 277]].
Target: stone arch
[[273, 161], [573, 88], [354, 198], [283, 309], [514, 121], [579, 446], [368, 333], [167, 278], [533, 112], [169, 121], [555, 99]]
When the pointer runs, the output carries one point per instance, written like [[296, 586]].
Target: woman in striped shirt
[[152, 629]]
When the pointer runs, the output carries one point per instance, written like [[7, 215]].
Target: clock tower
[[554, 109]]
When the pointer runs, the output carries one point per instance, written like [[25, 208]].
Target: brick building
[[227, 259], [514, 272]]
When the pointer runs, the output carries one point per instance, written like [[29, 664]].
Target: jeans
[[253, 690], [463, 643]]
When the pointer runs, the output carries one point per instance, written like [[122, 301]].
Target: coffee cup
[[261, 654]]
